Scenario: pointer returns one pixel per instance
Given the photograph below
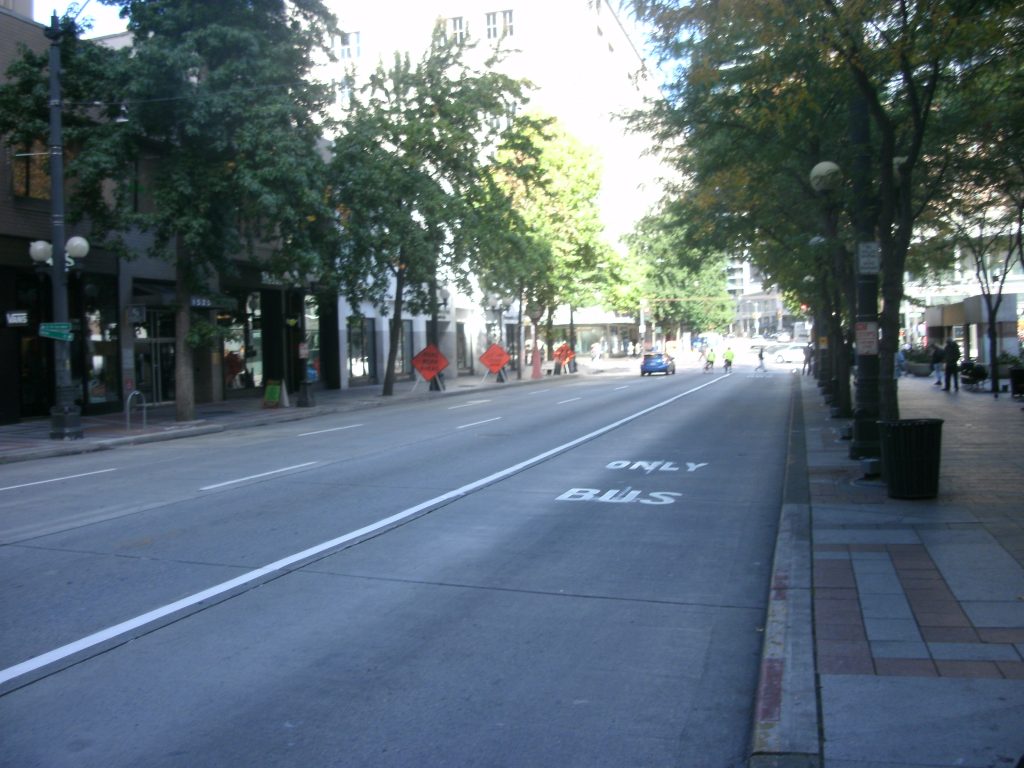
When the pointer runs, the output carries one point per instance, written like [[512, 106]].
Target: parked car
[[657, 362], [790, 353]]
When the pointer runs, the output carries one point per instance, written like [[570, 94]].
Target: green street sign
[[56, 331]]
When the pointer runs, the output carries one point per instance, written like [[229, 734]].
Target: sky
[[104, 17]]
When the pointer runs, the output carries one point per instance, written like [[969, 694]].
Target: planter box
[[919, 369], [1016, 382]]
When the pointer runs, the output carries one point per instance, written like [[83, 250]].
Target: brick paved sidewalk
[[882, 604]]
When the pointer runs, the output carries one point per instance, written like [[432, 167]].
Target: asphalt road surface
[[559, 574]]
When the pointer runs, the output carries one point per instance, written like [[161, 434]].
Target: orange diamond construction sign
[[429, 362], [495, 358]]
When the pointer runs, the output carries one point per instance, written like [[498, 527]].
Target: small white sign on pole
[[869, 258]]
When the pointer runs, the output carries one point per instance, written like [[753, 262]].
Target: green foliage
[[1006, 360], [765, 90], [680, 285], [410, 175], [552, 182], [202, 334], [203, 136]]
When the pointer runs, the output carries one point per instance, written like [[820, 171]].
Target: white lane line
[[570, 400], [537, 392], [332, 429], [624, 386], [477, 423], [256, 477], [58, 479], [467, 405], [125, 627]]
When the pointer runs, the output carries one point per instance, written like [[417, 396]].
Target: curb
[[786, 732]]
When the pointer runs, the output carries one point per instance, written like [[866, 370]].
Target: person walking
[[727, 358], [808, 360], [938, 359], [760, 360], [951, 355]]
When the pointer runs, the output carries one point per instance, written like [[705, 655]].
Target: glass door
[[154, 356]]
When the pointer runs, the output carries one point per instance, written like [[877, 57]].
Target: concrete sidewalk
[[895, 634], [30, 439]]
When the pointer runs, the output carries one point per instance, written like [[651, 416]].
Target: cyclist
[[727, 358], [710, 364]]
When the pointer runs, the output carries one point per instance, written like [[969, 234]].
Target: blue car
[[657, 362]]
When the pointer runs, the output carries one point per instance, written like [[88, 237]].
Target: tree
[[682, 286], [220, 95], [744, 122], [562, 258], [410, 173], [903, 61]]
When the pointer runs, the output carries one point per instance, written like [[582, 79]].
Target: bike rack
[[128, 410]]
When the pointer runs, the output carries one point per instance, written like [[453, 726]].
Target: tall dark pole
[[865, 442], [65, 417]]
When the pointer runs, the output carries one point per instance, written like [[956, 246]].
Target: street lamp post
[[65, 416], [866, 441]]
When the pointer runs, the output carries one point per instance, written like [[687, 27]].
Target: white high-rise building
[[584, 58]]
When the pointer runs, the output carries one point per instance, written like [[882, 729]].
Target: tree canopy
[[413, 178], [764, 91]]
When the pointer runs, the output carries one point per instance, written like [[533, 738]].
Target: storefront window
[[462, 350], [36, 371], [100, 336], [312, 339], [243, 361], [362, 368]]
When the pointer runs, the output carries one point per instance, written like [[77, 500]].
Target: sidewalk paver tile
[[973, 652], [894, 649]]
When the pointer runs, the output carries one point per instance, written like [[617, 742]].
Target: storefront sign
[[272, 394], [17, 318]]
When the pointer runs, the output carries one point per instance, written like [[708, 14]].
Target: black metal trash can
[[911, 453]]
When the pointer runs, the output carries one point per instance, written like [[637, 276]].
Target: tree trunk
[[840, 366], [393, 337], [184, 368], [520, 361], [993, 340], [572, 329]]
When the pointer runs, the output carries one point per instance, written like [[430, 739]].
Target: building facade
[[121, 311]]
